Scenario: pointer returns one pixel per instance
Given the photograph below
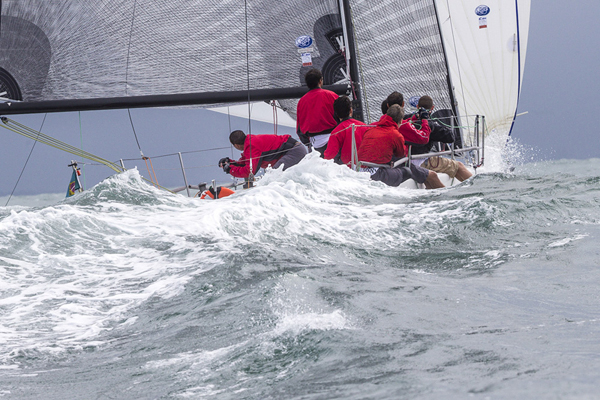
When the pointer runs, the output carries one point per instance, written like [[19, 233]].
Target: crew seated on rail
[[339, 147], [383, 142], [315, 116], [266, 150], [440, 132], [417, 136]]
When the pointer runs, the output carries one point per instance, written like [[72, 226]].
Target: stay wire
[[32, 134], [50, 141], [229, 122], [248, 86], [364, 97], [126, 92], [81, 139], [26, 161]]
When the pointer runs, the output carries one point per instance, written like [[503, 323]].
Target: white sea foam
[[502, 152], [299, 308], [566, 241], [86, 269], [72, 271]]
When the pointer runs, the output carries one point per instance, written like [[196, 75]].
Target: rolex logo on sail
[[482, 11], [304, 44]]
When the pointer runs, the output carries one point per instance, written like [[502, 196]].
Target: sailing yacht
[[58, 56]]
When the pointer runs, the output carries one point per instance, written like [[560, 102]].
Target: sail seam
[[129, 49], [457, 64]]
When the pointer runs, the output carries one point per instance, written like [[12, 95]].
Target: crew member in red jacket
[[381, 144], [274, 150], [315, 119], [340, 141], [415, 136]]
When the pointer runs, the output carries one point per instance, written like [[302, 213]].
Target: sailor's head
[[395, 98], [396, 113], [342, 107], [425, 102], [384, 107], [237, 139], [313, 78]]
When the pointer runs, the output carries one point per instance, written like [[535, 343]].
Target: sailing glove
[[226, 167]]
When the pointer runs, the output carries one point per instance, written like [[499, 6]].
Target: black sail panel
[[72, 50], [400, 49]]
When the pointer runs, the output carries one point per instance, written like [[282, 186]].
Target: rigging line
[[462, 89], [275, 117], [248, 84], [140, 148], [126, 93], [129, 48], [229, 121], [182, 152], [364, 97], [134, 132], [81, 139], [50, 141], [29, 156]]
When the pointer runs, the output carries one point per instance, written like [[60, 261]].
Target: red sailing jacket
[[266, 150], [315, 111], [379, 144], [341, 138], [414, 135]]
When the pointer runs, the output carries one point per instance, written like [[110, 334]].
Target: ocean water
[[316, 284]]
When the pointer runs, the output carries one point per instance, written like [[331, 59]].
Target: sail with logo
[[69, 55]]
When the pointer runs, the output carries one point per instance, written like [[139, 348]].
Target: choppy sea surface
[[316, 284]]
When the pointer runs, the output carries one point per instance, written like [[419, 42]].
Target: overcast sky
[[559, 93], [561, 81]]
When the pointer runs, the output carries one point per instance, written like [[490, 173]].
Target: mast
[[170, 100], [351, 59]]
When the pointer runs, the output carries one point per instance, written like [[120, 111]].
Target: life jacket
[[220, 193]]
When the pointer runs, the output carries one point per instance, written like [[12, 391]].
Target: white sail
[[259, 111], [485, 45]]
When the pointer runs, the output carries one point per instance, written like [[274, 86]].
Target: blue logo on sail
[[414, 101], [304, 42], [482, 10]]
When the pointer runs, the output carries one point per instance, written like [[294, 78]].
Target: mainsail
[[58, 55]]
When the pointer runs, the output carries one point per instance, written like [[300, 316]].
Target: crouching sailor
[[265, 150], [383, 142]]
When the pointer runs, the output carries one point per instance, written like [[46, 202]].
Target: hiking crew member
[[381, 144], [439, 133], [339, 147], [267, 150], [413, 135], [315, 119]]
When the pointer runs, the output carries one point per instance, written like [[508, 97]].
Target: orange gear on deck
[[220, 193]]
